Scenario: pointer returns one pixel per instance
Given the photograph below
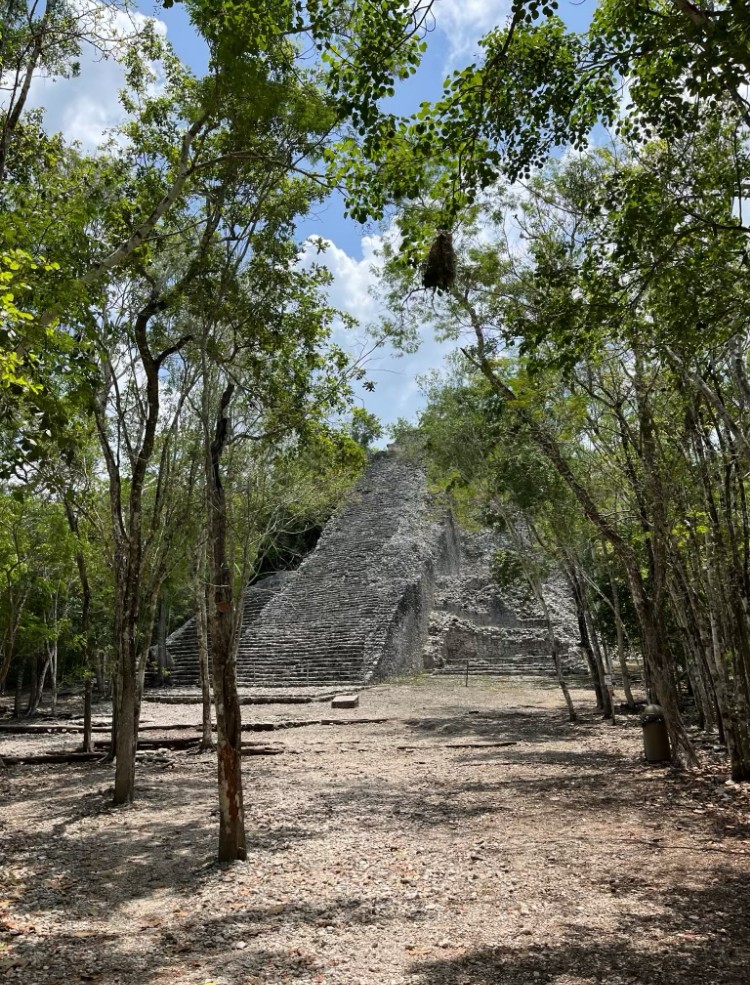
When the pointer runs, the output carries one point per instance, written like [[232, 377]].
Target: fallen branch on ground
[[456, 745], [53, 757]]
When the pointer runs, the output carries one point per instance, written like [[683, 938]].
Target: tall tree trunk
[[621, 655], [598, 659], [87, 745], [34, 682], [201, 607], [113, 687], [83, 578], [19, 691], [37, 692], [585, 641], [222, 642], [101, 676], [126, 718], [53, 675]]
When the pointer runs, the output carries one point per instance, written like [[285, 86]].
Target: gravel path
[[424, 849]]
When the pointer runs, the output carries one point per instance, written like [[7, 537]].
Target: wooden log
[[179, 742], [252, 750], [53, 757], [456, 745]]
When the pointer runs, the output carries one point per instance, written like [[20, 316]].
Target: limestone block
[[345, 701]]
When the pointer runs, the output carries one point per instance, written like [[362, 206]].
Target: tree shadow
[[123, 854], [270, 942], [534, 726], [692, 935]]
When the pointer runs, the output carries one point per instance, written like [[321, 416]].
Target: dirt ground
[[419, 848]]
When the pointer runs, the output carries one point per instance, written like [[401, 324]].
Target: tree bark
[[19, 691], [127, 717], [222, 642], [37, 687], [53, 675], [34, 682], [598, 659], [86, 746], [621, 655], [201, 605], [602, 696]]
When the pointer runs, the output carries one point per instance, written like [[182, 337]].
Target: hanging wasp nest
[[439, 271]]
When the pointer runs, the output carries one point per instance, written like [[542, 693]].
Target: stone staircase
[[182, 645], [358, 607]]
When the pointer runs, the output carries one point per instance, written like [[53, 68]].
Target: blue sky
[[84, 108]]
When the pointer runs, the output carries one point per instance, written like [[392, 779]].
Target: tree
[[264, 355], [539, 88], [628, 316]]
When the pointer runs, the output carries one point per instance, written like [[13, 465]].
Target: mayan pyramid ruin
[[391, 588]]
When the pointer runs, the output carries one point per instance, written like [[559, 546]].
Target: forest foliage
[[597, 408]]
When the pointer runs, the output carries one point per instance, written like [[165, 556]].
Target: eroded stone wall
[[477, 627]]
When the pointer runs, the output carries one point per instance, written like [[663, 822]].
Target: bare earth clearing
[[419, 850]]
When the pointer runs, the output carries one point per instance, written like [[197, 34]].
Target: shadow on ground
[[526, 726], [697, 935]]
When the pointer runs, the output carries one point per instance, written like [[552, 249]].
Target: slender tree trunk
[[621, 655], [19, 691], [201, 606], [554, 645], [126, 730], [101, 683], [113, 686], [572, 716], [162, 642], [222, 641], [34, 682], [696, 675], [598, 660], [124, 698], [37, 686], [602, 696], [53, 675], [87, 745]]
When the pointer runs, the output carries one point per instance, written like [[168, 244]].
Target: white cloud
[[396, 393], [84, 108], [353, 279], [464, 22]]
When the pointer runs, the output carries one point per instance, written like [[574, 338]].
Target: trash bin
[[655, 735]]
